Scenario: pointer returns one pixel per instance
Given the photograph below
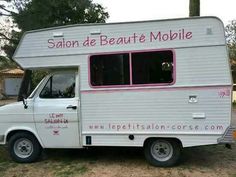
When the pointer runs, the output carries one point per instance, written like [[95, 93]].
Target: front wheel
[[24, 148], [162, 152]]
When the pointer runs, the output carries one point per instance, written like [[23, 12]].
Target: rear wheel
[[162, 152], [24, 147]]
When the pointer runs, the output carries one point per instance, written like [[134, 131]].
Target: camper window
[[152, 67], [132, 69], [59, 86], [112, 69]]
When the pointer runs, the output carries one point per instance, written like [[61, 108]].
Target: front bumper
[[229, 136]]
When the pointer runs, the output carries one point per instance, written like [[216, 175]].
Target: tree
[[194, 8], [44, 13], [8, 35], [230, 32], [35, 14], [6, 63]]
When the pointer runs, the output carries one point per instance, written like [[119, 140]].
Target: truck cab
[[50, 116]]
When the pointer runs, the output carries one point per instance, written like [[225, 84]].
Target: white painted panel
[[14, 117], [123, 140], [56, 125], [12, 85], [202, 66], [39, 43], [156, 112]]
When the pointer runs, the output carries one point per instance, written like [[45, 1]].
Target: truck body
[[142, 84]]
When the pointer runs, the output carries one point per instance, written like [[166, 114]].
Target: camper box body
[[193, 105]]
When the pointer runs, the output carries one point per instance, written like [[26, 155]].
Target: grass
[[205, 160], [5, 161], [68, 170], [61, 163], [66, 163]]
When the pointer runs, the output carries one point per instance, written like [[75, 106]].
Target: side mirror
[[25, 102]]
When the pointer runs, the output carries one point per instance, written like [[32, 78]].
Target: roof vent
[[58, 34], [95, 32], [209, 31]]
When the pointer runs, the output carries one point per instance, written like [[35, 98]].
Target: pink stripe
[[132, 89]]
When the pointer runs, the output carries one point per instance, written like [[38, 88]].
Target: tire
[[24, 148], [162, 152]]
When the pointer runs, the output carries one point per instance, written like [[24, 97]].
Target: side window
[[133, 68], [152, 67], [112, 69], [59, 86]]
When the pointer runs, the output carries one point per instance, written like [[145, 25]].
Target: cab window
[[59, 86]]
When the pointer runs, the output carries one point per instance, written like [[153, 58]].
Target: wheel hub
[[161, 150], [23, 148]]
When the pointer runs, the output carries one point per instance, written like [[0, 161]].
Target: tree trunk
[[194, 8], [25, 85]]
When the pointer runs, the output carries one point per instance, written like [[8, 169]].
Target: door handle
[[71, 107]]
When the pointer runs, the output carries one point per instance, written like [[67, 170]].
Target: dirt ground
[[205, 161]]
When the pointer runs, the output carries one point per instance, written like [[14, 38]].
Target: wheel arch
[[162, 155], [165, 138], [13, 131]]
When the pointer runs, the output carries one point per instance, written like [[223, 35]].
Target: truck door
[[56, 111]]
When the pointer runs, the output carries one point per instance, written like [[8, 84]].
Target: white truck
[[162, 85]]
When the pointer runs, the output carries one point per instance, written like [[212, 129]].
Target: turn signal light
[[234, 134]]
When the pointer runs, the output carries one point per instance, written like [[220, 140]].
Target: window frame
[[48, 78], [89, 69], [131, 71]]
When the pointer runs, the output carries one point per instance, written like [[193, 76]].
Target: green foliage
[[6, 63], [230, 32], [10, 47], [37, 76], [43, 13]]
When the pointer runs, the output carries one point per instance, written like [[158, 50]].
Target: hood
[[15, 112]]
